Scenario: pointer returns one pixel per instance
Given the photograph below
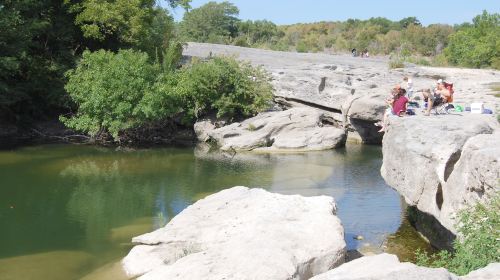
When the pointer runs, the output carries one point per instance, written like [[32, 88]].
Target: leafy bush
[[302, 47], [116, 92], [476, 45], [113, 91], [230, 88], [477, 244], [396, 62]]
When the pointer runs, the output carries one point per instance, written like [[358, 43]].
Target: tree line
[[470, 45]]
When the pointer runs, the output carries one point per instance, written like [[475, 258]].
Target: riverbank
[[52, 131]]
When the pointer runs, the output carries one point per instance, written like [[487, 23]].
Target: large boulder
[[361, 113], [297, 129], [388, 267], [242, 233], [440, 164]]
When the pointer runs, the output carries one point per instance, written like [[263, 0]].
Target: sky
[[302, 11]]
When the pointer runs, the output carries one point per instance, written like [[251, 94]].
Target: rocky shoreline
[[439, 164]]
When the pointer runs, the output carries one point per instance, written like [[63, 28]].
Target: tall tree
[[212, 22], [37, 40]]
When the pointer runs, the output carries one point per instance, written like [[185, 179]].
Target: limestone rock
[[202, 128], [438, 164], [475, 176], [384, 267], [331, 81], [490, 272], [242, 233], [293, 129]]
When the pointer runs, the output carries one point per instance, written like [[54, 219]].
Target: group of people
[[364, 53], [400, 96]]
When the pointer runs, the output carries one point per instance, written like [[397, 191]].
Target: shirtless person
[[440, 95]]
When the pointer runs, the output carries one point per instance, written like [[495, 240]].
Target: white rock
[[299, 76], [439, 165], [383, 267], [490, 272], [294, 129], [201, 128], [242, 233]]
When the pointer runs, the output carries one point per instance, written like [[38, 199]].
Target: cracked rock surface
[[352, 89]]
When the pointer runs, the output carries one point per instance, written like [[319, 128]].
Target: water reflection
[[93, 200]]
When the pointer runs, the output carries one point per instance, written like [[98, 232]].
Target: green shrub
[[302, 47], [241, 42], [230, 88], [396, 62], [477, 244], [113, 91]]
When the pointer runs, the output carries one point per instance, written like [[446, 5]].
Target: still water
[[67, 210]]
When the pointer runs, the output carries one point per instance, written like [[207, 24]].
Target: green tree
[[37, 43], [212, 22], [115, 24], [477, 45], [404, 23], [114, 92], [258, 32]]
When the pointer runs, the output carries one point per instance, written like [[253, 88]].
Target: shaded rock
[[295, 129], [202, 128], [384, 266], [436, 163], [242, 233], [368, 107]]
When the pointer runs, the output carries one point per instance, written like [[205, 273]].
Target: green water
[[67, 210]]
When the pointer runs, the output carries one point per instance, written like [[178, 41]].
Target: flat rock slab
[[330, 80], [242, 233], [297, 129], [388, 267]]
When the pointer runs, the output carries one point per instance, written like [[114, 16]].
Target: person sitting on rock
[[438, 96], [397, 106]]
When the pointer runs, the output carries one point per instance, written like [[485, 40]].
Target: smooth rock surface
[[297, 129], [242, 233], [388, 267], [490, 272], [440, 164]]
